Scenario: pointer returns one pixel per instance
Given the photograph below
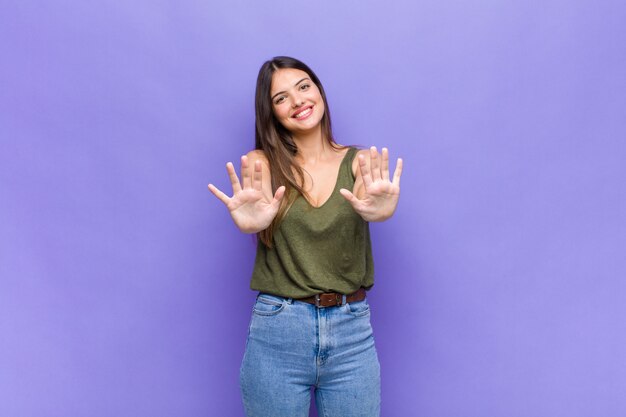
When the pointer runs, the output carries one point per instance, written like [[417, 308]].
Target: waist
[[333, 299]]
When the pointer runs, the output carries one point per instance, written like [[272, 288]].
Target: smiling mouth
[[303, 114]]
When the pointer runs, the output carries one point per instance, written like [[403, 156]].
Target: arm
[[252, 206], [374, 196]]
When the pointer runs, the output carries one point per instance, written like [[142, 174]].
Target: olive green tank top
[[323, 249]]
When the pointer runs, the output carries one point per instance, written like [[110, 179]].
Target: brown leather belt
[[331, 299]]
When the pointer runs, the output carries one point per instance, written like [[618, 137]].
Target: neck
[[312, 146]]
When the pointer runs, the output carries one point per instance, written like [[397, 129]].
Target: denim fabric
[[293, 345]]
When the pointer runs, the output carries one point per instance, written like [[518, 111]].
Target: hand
[[251, 209], [380, 197]]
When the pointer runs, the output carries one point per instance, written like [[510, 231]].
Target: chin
[[307, 127]]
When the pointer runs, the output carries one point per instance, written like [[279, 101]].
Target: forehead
[[285, 78]]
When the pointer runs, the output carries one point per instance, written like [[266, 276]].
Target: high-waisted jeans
[[293, 345]]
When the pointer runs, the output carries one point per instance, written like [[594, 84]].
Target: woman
[[310, 201]]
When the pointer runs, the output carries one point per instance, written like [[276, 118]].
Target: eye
[[304, 87], [279, 100]]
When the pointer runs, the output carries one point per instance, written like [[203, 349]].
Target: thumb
[[280, 192], [348, 196]]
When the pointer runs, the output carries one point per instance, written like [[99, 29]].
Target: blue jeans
[[293, 345]]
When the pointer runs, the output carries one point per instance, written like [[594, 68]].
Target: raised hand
[[380, 196], [252, 210]]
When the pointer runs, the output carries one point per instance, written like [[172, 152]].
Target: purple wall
[[501, 281]]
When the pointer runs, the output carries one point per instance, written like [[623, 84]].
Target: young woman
[[309, 200]]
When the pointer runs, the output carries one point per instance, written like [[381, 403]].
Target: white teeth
[[304, 113]]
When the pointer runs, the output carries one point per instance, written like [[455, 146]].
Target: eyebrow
[[281, 92]]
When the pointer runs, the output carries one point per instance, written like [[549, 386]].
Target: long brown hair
[[276, 142]]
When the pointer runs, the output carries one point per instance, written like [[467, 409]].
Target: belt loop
[[317, 300], [289, 300], [343, 300]]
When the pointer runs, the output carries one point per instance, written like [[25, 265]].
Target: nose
[[297, 102]]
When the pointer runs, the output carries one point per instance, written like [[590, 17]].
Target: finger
[[365, 172], [256, 183], [234, 181], [223, 197], [351, 198], [397, 172], [278, 195], [385, 164], [348, 195], [245, 172], [374, 163]]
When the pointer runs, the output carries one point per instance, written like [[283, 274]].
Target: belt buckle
[[328, 296]]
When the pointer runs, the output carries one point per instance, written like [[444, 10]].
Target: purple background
[[500, 287]]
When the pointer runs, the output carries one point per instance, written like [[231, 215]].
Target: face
[[296, 100]]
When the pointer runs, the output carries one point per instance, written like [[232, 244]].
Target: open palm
[[251, 210], [381, 194]]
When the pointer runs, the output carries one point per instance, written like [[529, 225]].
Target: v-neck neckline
[[333, 192]]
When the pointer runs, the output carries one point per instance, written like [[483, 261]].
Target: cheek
[[317, 98], [282, 118], [280, 112], [320, 106]]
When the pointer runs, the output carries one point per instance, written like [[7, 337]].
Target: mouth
[[303, 113]]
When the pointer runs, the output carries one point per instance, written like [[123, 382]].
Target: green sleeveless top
[[323, 249]]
